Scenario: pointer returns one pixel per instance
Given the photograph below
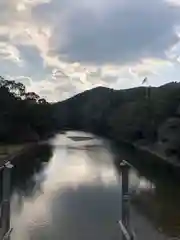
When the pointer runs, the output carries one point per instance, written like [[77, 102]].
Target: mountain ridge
[[135, 115]]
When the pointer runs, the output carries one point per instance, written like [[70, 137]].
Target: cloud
[[31, 55], [23, 79], [115, 32], [65, 47], [174, 2], [9, 52]]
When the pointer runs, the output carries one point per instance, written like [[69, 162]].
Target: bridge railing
[[125, 223], [5, 176]]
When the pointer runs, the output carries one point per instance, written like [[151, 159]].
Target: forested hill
[[146, 116], [24, 116], [126, 111]]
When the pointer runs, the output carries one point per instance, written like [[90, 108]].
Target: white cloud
[[34, 33], [174, 2], [10, 52], [112, 32]]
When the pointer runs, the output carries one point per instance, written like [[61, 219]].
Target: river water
[[72, 190]]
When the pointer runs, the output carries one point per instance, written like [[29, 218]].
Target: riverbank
[[13, 152], [156, 153], [7, 151], [150, 156]]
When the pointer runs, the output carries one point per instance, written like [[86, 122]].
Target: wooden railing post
[[125, 203], [5, 208]]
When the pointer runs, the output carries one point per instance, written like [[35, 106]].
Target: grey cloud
[[31, 54], [8, 67], [66, 87], [8, 11], [62, 90], [23, 79], [110, 79], [45, 92], [4, 38], [33, 61], [124, 31]]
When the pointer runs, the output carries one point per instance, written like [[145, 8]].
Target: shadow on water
[[160, 202], [82, 214], [79, 200], [22, 173], [29, 164], [73, 204]]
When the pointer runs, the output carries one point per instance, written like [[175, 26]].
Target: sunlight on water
[[83, 178], [73, 191]]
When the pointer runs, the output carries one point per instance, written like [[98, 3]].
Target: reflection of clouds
[[76, 184], [83, 213], [79, 168]]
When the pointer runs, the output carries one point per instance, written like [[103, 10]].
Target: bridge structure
[[127, 223], [127, 232], [5, 189]]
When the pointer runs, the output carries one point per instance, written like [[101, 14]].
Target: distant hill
[[148, 117], [138, 115]]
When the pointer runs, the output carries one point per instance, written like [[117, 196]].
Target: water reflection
[[73, 191], [25, 171], [82, 213], [159, 199], [79, 198]]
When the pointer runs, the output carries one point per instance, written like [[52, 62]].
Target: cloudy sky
[[61, 47]]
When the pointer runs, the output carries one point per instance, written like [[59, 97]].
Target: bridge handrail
[[5, 204], [124, 223], [7, 164]]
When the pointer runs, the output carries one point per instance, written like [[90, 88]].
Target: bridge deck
[[143, 228]]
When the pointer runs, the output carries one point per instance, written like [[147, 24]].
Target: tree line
[[24, 116]]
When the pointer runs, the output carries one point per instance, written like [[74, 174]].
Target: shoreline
[[157, 159], [165, 159], [24, 148], [14, 156]]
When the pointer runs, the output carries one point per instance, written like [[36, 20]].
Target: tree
[[32, 96], [18, 89], [42, 101], [23, 115]]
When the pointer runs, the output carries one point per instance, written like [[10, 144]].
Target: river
[[72, 190]]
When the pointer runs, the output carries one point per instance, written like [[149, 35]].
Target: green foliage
[[130, 115], [24, 116], [139, 116], [17, 89]]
